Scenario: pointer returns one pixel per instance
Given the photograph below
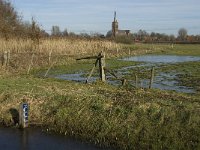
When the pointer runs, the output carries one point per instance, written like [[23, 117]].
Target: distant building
[[115, 28]]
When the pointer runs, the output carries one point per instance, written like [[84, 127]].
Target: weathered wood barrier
[[101, 60], [152, 77]]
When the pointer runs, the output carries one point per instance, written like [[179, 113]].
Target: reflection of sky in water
[[162, 81], [167, 82], [162, 59], [35, 139]]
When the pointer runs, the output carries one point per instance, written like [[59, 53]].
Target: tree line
[[12, 25], [182, 37]]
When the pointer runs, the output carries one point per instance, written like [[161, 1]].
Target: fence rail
[[31, 60]]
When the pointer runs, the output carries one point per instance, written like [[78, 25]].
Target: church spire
[[114, 16], [114, 25]]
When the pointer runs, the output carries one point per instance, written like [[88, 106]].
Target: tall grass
[[48, 51], [58, 46]]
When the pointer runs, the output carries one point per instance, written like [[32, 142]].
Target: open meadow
[[122, 117]]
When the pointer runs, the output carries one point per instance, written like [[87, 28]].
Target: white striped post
[[23, 115]]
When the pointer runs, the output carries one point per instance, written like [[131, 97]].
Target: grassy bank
[[120, 117], [112, 116]]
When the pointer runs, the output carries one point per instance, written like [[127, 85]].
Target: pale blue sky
[[165, 16]]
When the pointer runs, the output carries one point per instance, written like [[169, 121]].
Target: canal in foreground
[[35, 139]]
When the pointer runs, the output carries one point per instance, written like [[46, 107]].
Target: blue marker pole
[[23, 115]]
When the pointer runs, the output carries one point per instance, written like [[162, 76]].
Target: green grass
[[188, 73], [120, 117], [176, 49], [183, 49], [82, 66], [106, 115]]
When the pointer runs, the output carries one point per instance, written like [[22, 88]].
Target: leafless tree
[[182, 34]]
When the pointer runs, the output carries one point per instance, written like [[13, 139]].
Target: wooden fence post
[[136, 81], [8, 58], [152, 77], [23, 115], [123, 82], [49, 60], [31, 63], [49, 69], [102, 65], [5, 58], [95, 64]]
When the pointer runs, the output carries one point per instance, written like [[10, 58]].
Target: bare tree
[[182, 34], [109, 34], [11, 24], [172, 38], [9, 20], [65, 33], [141, 34], [55, 31]]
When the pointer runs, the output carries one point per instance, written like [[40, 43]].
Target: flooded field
[[162, 58], [162, 80]]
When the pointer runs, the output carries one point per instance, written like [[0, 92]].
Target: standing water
[[162, 58], [162, 80], [35, 139]]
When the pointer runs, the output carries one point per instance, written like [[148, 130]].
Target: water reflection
[[24, 140], [35, 139], [162, 58], [162, 81]]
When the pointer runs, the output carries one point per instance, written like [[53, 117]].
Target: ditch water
[[35, 139], [162, 80]]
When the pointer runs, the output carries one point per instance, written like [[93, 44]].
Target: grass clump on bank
[[107, 115]]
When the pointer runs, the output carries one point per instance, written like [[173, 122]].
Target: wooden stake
[[49, 60], [48, 70], [95, 64], [5, 58], [136, 81], [31, 63], [123, 82], [8, 58], [102, 66], [152, 77]]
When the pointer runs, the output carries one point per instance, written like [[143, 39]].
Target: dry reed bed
[[58, 46], [25, 53], [51, 50]]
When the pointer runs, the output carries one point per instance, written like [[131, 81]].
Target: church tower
[[114, 26]]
